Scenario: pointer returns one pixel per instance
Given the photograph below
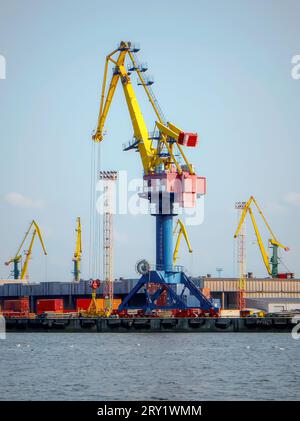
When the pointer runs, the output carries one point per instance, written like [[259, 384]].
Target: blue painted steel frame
[[174, 301], [165, 274]]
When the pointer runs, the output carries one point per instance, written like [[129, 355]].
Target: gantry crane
[[78, 252], [167, 183], [270, 264], [182, 231], [18, 257]]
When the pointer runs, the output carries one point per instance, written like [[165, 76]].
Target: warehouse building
[[274, 305]]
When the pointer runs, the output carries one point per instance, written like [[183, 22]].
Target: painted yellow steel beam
[[182, 231], [40, 237], [166, 130], [263, 251], [243, 216], [105, 106], [138, 123], [264, 219], [143, 83], [174, 128], [29, 252], [190, 166], [78, 246], [172, 132], [18, 256], [28, 255], [150, 155]]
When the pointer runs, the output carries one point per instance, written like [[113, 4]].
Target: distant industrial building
[[274, 305]]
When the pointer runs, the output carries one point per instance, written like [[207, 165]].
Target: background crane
[[78, 252], [270, 264], [182, 231], [18, 257]]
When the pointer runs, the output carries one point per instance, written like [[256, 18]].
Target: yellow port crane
[[270, 264], [18, 257], [78, 252], [169, 179], [182, 231]]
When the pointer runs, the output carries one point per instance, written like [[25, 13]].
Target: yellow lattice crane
[[18, 257], [78, 252], [270, 264], [182, 231]]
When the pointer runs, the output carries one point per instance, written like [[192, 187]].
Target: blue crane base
[[164, 282]]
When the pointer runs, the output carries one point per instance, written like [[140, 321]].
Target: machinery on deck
[[78, 252], [272, 263], [18, 257], [93, 309], [168, 184]]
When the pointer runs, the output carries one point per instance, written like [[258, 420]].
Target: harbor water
[[152, 366]]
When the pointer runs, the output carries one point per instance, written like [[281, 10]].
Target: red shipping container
[[20, 305], [285, 275], [55, 304], [82, 303]]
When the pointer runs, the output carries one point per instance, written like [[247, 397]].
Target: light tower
[[108, 178], [241, 258], [219, 270]]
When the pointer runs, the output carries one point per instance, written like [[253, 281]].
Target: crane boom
[[182, 231], [263, 251], [137, 119], [78, 252], [169, 135]]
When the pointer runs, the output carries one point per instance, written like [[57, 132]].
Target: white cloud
[[18, 200], [292, 198], [275, 208]]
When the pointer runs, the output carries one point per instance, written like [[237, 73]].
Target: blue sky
[[221, 68]]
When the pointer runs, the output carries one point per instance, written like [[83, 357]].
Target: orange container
[[20, 305], [54, 305], [83, 303]]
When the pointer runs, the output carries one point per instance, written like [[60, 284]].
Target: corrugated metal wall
[[257, 288]]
